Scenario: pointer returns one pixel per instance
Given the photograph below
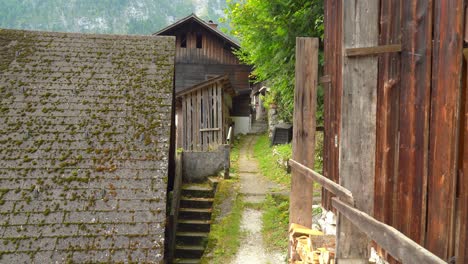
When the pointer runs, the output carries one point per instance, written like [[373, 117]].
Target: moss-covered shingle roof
[[84, 139]]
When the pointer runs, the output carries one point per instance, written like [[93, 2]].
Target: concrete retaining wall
[[197, 166]]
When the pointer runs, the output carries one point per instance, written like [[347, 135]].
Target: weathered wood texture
[[396, 243], [442, 175], [304, 129], [332, 94], [214, 50], [367, 51], [333, 187], [358, 124], [188, 75], [204, 121], [462, 251], [414, 118], [421, 139], [388, 90]]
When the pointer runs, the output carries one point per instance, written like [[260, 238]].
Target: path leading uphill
[[254, 187]]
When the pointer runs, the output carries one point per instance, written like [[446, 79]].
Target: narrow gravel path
[[254, 187]]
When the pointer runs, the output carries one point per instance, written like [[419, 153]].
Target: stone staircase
[[193, 225]]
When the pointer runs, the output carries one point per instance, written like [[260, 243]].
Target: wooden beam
[[341, 192], [394, 242], [368, 51], [209, 129], [303, 145], [325, 79], [358, 124]]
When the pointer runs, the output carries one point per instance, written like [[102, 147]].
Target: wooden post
[[358, 124], [305, 102]]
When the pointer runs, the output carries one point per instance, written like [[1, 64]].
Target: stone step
[[186, 261], [193, 225], [192, 238], [190, 252], [213, 181], [194, 202], [201, 191], [195, 213]]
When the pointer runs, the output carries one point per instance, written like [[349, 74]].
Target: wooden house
[[204, 52]]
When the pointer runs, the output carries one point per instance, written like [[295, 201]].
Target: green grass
[[268, 162], [234, 168], [225, 235], [276, 208], [275, 222]]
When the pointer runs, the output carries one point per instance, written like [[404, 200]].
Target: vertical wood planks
[[358, 124], [220, 114], [333, 51], [387, 114], [462, 251], [414, 118], [445, 94], [304, 129], [184, 126]]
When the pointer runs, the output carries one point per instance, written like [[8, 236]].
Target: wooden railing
[[229, 136], [393, 241]]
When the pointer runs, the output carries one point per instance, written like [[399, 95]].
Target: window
[[199, 40], [183, 41]]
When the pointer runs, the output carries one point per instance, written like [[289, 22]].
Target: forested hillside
[[103, 16]]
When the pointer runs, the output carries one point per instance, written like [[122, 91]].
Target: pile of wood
[[310, 246]]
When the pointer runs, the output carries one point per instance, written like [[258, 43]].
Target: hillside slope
[[103, 16]]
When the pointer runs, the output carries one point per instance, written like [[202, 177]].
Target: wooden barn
[[204, 52]]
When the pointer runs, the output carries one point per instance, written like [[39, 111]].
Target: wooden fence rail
[[390, 239], [393, 241], [328, 184]]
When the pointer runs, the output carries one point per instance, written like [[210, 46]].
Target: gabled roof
[[224, 79], [194, 18]]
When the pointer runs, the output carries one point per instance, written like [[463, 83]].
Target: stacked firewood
[[310, 246]]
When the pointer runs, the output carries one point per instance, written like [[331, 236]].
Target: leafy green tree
[[267, 31]]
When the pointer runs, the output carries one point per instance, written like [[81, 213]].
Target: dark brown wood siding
[[214, 49], [188, 75], [421, 144]]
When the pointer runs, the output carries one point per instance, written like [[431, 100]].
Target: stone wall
[[197, 166], [84, 142]]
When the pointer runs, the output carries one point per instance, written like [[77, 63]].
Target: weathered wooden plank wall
[[414, 118], [203, 116], [300, 210], [444, 122], [358, 124], [388, 92], [333, 90], [462, 251], [421, 129]]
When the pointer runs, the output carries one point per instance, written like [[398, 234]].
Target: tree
[[267, 31]]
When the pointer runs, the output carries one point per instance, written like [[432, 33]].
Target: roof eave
[[204, 24]]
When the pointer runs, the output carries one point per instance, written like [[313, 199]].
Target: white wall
[[242, 124]]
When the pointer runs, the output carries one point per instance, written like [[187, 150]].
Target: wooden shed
[[202, 112]]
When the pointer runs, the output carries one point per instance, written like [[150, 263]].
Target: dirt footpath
[[254, 187]]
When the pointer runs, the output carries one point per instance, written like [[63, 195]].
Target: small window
[[199, 40], [183, 41]]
